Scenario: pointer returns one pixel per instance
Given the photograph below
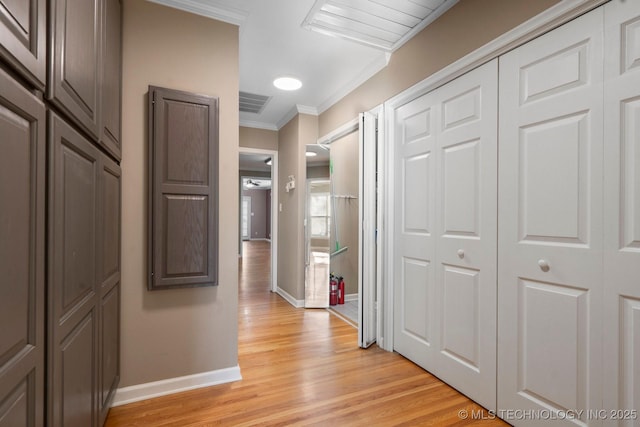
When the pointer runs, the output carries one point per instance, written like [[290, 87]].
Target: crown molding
[[220, 13], [257, 125], [297, 109]]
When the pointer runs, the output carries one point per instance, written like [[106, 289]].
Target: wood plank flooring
[[303, 367]]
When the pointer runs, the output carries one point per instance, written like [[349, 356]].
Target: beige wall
[[321, 171], [464, 28], [292, 140], [172, 333], [344, 157], [258, 138]]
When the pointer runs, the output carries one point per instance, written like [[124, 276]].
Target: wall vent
[[253, 103]]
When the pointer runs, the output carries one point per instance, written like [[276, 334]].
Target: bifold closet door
[[445, 228], [550, 228], [622, 210]]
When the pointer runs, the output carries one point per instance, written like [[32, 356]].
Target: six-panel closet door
[[445, 232], [622, 212], [550, 277]]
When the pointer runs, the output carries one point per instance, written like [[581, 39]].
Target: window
[[319, 208]]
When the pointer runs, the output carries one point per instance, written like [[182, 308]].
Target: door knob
[[544, 265], [460, 253]]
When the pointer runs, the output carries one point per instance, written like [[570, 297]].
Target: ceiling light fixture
[[310, 154], [287, 83], [268, 161]]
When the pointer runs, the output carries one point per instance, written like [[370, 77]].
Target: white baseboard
[[153, 389], [297, 303], [351, 297]]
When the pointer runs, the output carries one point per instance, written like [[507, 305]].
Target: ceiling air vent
[[252, 103]]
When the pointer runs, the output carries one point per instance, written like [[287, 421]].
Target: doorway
[[258, 195]]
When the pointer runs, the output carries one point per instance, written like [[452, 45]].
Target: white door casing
[[445, 229], [622, 210], [550, 228], [367, 285]]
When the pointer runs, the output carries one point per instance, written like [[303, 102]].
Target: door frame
[[274, 208], [555, 16], [242, 236]]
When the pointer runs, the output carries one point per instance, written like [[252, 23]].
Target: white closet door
[[414, 229], [445, 228], [550, 223], [622, 210], [466, 224]]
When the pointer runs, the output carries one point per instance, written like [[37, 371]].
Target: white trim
[[344, 130], [297, 303], [274, 208], [549, 19], [351, 297], [216, 11], [369, 71], [297, 109], [257, 125], [153, 389]]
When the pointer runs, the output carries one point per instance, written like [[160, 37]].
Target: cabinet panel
[[183, 179], [73, 290], [109, 280], [22, 173], [112, 77], [23, 35], [74, 69]]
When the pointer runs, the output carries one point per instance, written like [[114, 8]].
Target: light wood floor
[[303, 367]]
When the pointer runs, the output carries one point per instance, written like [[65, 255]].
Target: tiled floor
[[348, 310]]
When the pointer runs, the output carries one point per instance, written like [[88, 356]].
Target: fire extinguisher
[[333, 290], [340, 290]]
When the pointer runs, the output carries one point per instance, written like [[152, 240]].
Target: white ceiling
[[332, 60]]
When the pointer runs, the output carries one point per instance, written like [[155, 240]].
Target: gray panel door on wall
[[109, 283], [74, 68], [74, 294], [183, 180], [22, 169], [23, 35], [111, 77]]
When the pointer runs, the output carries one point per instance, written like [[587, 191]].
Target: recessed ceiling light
[[310, 154], [287, 83]]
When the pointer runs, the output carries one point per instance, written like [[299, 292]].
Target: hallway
[[303, 367]]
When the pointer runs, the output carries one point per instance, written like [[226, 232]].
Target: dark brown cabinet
[[22, 220], [59, 176], [109, 283], [75, 63], [183, 177], [111, 77], [23, 34], [84, 278], [73, 290]]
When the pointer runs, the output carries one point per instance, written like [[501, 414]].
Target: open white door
[[367, 233]]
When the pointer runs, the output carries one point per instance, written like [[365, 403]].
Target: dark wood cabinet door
[[22, 201], [23, 35], [183, 166], [74, 69], [73, 291], [111, 78], [109, 281]]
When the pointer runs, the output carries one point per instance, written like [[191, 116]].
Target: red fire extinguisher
[[340, 290], [333, 290]]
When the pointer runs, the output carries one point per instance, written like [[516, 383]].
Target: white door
[[445, 232], [246, 218], [550, 228], [367, 236], [622, 210]]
